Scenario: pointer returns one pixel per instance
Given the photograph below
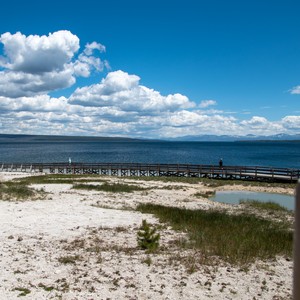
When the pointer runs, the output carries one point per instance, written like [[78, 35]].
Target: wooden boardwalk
[[180, 170]]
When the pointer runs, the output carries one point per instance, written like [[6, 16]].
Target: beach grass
[[268, 206], [60, 179], [110, 187], [15, 191], [73, 178], [213, 182], [237, 239], [206, 194]]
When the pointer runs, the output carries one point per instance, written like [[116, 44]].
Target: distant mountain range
[[199, 138], [236, 138], [15, 138]]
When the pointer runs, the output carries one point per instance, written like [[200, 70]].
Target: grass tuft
[[206, 194], [15, 191], [214, 182], [24, 291], [69, 259], [112, 188], [238, 239], [270, 206], [60, 178]]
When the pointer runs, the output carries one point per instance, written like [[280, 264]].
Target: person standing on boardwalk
[[221, 163]]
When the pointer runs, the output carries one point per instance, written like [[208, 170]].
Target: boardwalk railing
[[180, 170]]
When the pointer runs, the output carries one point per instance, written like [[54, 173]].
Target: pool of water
[[234, 197]]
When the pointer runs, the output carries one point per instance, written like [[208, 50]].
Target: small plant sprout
[[147, 237]]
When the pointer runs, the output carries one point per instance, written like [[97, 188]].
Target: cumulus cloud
[[38, 54], [35, 64], [118, 105], [18, 84], [291, 122], [38, 103], [87, 62], [261, 126], [206, 103], [89, 48], [256, 121], [295, 90], [124, 91]]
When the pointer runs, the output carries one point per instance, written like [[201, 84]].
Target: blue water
[[276, 154], [234, 197]]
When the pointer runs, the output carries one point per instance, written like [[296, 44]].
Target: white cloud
[[89, 48], [31, 104], [39, 64], [124, 91], [18, 84], [119, 105], [38, 54], [295, 90], [261, 126], [291, 122], [206, 103], [87, 62], [255, 122]]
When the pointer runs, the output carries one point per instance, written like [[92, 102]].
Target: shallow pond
[[234, 197]]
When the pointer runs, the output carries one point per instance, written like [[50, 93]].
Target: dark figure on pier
[[221, 163]]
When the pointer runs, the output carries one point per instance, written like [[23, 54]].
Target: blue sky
[[156, 69]]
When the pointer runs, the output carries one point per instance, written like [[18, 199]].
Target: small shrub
[[147, 238], [69, 259], [147, 261], [45, 287], [24, 291]]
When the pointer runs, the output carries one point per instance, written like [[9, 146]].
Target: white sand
[[35, 235]]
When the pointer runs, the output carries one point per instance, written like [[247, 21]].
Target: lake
[[234, 197], [59, 149]]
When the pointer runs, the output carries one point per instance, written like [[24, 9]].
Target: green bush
[[147, 238]]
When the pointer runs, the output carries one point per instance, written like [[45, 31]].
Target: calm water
[[234, 197], [277, 154]]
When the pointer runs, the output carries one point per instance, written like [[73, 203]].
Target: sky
[[150, 69]]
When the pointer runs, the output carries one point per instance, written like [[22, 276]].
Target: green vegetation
[[269, 206], [45, 287], [147, 237], [190, 180], [206, 194], [75, 178], [24, 291], [147, 261], [112, 188], [15, 191], [60, 178], [214, 182], [69, 259], [238, 239]]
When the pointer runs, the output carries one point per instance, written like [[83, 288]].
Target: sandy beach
[[97, 232]]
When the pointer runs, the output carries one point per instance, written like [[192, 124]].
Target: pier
[[253, 173]]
